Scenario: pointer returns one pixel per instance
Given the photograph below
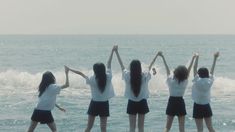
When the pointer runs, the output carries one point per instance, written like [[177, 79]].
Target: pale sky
[[117, 16]]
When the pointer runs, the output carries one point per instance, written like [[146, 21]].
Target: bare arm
[[110, 58], [191, 64], [79, 73], [60, 108], [195, 65], [67, 78], [216, 55], [154, 59], [166, 66], [119, 59]]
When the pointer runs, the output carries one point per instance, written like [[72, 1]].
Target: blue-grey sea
[[23, 59]]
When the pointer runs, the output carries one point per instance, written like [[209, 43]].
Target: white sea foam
[[13, 82]]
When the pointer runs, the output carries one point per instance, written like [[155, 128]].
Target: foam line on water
[[13, 82]]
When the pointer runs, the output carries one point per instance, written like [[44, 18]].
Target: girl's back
[[108, 92], [144, 92], [48, 99], [201, 89], [176, 89]]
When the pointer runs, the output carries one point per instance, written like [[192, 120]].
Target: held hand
[[216, 55], [160, 53], [115, 47], [195, 55]]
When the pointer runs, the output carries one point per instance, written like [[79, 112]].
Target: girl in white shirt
[[48, 91], [177, 85], [201, 88], [101, 92], [136, 91]]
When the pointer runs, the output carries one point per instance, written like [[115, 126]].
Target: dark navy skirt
[[98, 108], [202, 111], [176, 106], [140, 107], [42, 116]]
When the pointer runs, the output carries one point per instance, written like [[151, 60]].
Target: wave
[[13, 82]]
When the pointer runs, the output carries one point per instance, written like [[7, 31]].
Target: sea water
[[23, 59]]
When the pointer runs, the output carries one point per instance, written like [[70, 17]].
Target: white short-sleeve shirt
[[144, 91], [201, 89], [176, 89], [108, 92], [47, 100]]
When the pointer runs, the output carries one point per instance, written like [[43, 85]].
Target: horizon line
[[116, 34]]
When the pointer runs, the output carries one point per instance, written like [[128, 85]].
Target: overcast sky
[[117, 16]]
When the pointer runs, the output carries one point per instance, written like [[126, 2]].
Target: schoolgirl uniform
[[201, 96], [46, 102], [99, 104], [137, 104], [176, 105]]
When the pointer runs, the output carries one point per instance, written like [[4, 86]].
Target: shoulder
[[109, 74], [196, 78], [54, 87], [170, 78], [211, 77], [125, 74], [146, 74], [89, 79], [125, 71], [109, 71]]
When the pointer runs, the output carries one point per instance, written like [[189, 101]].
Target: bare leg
[[52, 126], [209, 124], [103, 124], [181, 120], [90, 123], [199, 123], [132, 122], [169, 123], [141, 122], [32, 126]]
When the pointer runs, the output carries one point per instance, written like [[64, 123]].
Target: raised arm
[[79, 73], [119, 59], [216, 55], [66, 69], [191, 64], [110, 58], [195, 65], [164, 61], [154, 59]]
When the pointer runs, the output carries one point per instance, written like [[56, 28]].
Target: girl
[[136, 91], [177, 85], [48, 91], [202, 83], [101, 91]]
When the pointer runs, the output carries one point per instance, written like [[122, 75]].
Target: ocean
[[24, 58]]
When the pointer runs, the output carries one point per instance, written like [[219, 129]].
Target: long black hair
[[203, 72], [47, 79], [100, 75], [135, 74], [181, 73]]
